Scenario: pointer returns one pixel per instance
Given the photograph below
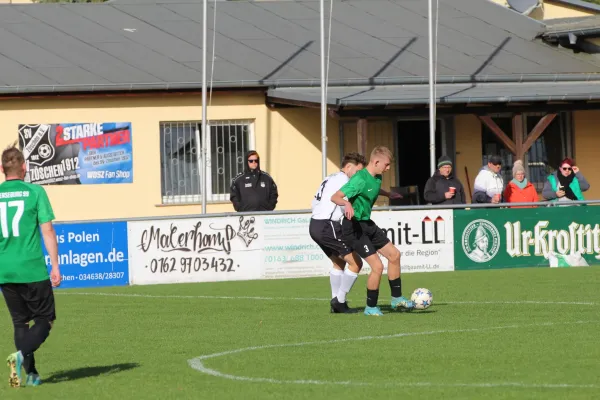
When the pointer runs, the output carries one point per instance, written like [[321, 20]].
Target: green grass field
[[518, 334]]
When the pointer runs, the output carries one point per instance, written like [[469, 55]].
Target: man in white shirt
[[326, 230], [489, 185]]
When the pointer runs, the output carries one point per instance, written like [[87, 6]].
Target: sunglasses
[[567, 169], [254, 160]]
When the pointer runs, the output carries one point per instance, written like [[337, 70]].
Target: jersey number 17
[[20, 205]]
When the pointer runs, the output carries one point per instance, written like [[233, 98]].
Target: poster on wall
[[91, 254], [195, 250], [77, 153]]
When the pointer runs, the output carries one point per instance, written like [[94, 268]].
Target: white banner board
[[289, 251], [194, 250], [425, 238], [271, 247]]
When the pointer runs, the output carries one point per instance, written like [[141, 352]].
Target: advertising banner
[[92, 254], [78, 153], [514, 238], [288, 249], [425, 238], [195, 250], [271, 247]]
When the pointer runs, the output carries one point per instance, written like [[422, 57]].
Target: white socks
[[348, 279], [335, 278]]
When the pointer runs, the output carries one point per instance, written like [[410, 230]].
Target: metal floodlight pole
[[432, 123], [323, 99], [202, 156]]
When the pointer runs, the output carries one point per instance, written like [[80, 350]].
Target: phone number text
[[294, 258], [99, 276], [187, 265]]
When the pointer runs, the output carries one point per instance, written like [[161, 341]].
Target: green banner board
[[526, 237]]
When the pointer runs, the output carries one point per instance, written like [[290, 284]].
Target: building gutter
[[299, 83], [470, 100], [585, 32]]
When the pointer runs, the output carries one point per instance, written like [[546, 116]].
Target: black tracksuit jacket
[[253, 191]]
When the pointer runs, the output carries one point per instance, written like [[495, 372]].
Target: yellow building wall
[[595, 41], [552, 10], [556, 10], [288, 141], [587, 143], [468, 149]]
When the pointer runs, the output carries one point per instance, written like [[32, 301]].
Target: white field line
[[152, 296], [198, 364]]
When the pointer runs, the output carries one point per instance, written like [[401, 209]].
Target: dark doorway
[[413, 153]]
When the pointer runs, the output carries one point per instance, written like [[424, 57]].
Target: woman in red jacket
[[520, 190]]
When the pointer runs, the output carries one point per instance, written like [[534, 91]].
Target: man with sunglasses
[[253, 189], [489, 184]]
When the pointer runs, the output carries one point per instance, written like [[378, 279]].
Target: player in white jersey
[[326, 230]]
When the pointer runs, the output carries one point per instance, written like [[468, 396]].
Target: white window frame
[[210, 197]]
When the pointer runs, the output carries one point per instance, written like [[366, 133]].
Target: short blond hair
[[382, 151]]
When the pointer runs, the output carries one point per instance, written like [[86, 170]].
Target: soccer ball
[[422, 298]]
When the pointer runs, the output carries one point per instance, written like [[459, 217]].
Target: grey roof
[[137, 45], [389, 95], [579, 25], [580, 4]]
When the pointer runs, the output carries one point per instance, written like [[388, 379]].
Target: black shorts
[[328, 235], [29, 301], [364, 237]]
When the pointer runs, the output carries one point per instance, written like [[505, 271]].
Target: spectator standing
[[520, 190], [443, 187], [253, 189], [489, 183], [567, 184]]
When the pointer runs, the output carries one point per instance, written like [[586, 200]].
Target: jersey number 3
[[20, 205]]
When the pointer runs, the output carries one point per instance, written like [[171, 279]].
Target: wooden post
[[520, 143], [517, 130], [489, 122], [361, 135]]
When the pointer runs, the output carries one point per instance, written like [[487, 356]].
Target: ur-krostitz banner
[[77, 153], [533, 237]]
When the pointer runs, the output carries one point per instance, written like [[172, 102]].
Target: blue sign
[[77, 153], [92, 254]]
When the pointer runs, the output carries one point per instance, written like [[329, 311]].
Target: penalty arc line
[[209, 297], [198, 364]]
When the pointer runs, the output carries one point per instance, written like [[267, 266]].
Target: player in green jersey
[[24, 280], [361, 234]]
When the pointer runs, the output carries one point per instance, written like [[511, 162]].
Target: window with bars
[[227, 145]]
